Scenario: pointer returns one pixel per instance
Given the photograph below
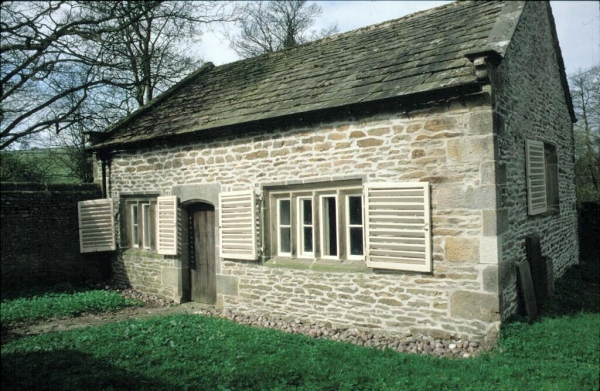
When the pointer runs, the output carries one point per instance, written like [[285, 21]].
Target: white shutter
[[166, 225], [397, 223], [536, 177], [237, 223], [96, 225]]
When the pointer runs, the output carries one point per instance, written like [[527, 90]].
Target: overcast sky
[[577, 23]]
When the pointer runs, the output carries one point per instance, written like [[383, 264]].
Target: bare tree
[[69, 60], [43, 64], [585, 92], [270, 26]]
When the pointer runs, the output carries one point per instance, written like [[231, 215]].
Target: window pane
[[285, 245], [148, 225], [135, 238], [356, 241], [151, 225], [284, 212], [307, 212], [329, 226], [308, 240], [355, 210]]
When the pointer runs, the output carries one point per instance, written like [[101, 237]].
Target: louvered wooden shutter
[[166, 225], [397, 226], [536, 177], [237, 223], [96, 226]]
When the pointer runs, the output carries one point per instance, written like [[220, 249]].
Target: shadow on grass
[[70, 370]]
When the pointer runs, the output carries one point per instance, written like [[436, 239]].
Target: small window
[[355, 234], [284, 220], [141, 223], [551, 161]]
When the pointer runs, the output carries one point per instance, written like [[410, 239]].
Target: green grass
[[35, 304], [561, 351]]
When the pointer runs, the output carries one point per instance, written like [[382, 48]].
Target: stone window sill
[[137, 252], [323, 265]]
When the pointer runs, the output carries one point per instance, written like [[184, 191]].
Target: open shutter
[[536, 177], [166, 225], [96, 225], [397, 225], [237, 223]]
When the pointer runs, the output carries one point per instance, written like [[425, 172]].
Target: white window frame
[[302, 226], [279, 226], [322, 226], [316, 192], [349, 226], [143, 205]]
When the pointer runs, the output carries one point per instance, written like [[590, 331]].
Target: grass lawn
[[561, 351]]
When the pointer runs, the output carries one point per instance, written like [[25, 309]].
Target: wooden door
[[202, 254]]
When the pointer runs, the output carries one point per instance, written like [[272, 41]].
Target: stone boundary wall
[[40, 237], [529, 103]]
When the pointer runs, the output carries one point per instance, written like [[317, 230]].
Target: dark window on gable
[[552, 191]]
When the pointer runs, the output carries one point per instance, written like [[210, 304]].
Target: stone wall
[[40, 237], [529, 103], [449, 145]]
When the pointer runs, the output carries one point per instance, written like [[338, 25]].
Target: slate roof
[[417, 53]]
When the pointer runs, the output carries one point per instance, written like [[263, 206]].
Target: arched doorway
[[201, 220]]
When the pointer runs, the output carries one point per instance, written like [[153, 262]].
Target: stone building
[[383, 178]]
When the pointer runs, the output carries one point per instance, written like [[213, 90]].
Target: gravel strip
[[406, 343]]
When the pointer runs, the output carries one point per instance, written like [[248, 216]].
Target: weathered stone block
[[369, 142], [462, 249], [417, 153], [470, 150], [481, 123], [445, 123], [487, 172], [495, 222], [458, 197], [473, 305], [378, 131], [170, 276], [391, 302], [258, 154], [227, 285], [490, 278], [357, 134]]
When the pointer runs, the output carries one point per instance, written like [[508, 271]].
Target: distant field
[[50, 161]]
